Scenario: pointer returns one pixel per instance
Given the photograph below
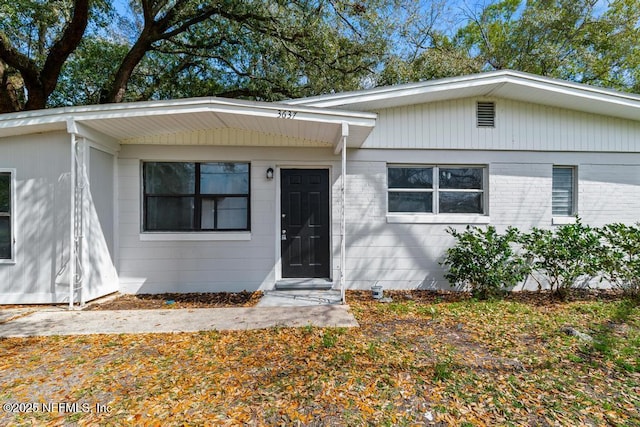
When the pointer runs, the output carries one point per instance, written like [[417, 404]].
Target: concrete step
[[291, 298], [303, 284]]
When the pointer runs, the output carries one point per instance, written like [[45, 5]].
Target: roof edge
[[487, 78], [132, 109]]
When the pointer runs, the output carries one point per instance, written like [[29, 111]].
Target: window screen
[[563, 191]]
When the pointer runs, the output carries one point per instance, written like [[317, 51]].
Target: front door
[[305, 223]]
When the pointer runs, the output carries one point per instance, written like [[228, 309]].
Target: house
[[344, 190]]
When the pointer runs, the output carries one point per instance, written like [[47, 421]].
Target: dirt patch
[[537, 298], [249, 299], [179, 300]]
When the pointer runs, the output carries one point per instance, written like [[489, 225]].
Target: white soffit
[[129, 121], [499, 84]]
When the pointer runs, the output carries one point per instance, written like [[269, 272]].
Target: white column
[[343, 218], [72, 212]]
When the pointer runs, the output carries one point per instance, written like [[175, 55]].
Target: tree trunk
[[9, 89], [115, 93], [40, 83]]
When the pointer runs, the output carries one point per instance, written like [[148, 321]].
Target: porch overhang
[[201, 121]]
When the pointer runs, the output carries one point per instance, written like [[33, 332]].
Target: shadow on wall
[[100, 276], [395, 256], [61, 241]]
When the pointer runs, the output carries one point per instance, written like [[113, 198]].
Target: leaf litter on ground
[[423, 359]]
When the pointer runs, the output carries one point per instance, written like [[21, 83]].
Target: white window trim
[[571, 218], [12, 214], [400, 218], [168, 236], [436, 217], [563, 220]]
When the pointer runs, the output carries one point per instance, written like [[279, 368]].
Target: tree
[[25, 54], [586, 41], [79, 51], [424, 49], [568, 39]]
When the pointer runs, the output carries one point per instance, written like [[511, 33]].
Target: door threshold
[[304, 284]]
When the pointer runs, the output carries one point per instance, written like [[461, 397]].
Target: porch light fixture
[[270, 173]]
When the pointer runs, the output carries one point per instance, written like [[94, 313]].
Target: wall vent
[[486, 114]]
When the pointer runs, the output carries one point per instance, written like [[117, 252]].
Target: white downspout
[[343, 219]]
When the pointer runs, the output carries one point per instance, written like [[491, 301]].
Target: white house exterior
[[206, 195]]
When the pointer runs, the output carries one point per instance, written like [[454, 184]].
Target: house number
[[286, 114]]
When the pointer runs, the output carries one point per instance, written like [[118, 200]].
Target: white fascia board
[[79, 114], [396, 91], [583, 92], [486, 84], [268, 110]]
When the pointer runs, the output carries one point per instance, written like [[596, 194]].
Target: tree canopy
[[585, 41], [73, 52], [87, 52]]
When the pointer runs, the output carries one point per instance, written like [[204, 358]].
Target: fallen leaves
[[178, 300], [417, 361]]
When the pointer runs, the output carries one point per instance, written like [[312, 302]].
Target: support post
[[72, 231], [343, 217], [77, 186]]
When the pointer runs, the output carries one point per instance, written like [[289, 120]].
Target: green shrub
[[484, 261], [620, 261], [562, 257]]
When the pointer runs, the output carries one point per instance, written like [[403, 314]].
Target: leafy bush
[[562, 257], [484, 261], [620, 262]]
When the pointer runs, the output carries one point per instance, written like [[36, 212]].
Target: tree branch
[[59, 53]]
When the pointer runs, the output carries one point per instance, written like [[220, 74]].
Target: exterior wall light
[[270, 173]]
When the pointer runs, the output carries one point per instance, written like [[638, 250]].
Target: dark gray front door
[[305, 222]]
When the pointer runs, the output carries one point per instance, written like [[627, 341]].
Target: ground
[[186, 300], [423, 359]]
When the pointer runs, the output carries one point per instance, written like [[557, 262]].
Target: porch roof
[[139, 121]]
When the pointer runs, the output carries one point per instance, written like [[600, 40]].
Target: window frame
[[11, 214], [198, 198], [560, 219], [436, 215]]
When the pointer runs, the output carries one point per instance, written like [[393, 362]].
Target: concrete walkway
[[47, 322]]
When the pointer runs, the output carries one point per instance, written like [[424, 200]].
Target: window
[[6, 215], [436, 189], [563, 182], [196, 196]]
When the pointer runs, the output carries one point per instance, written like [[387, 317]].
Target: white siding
[[406, 256], [519, 126], [99, 275], [609, 192], [214, 265], [101, 179], [396, 255], [40, 273]]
